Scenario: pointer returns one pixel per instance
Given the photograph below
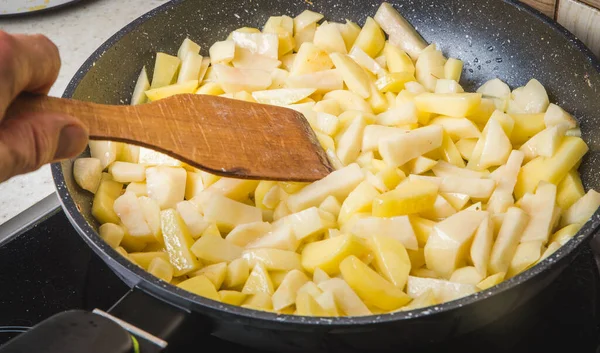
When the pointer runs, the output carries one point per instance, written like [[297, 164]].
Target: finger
[[27, 63], [31, 140]]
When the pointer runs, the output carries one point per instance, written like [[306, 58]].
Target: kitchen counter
[[77, 30]]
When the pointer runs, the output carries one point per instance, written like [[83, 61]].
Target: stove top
[[46, 268]]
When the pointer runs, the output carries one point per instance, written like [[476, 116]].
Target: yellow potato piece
[[452, 104], [410, 197], [354, 76], [235, 189], [285, 295], [552, 169], [453, 69], [306, 305], [564, 234], [526, 126], [570, 189], [238, 271], [171, 90], [104, 199], [393, 81], [215, 273], [397, 60], [370, 286], [232, 297], [202, 286], [422, 228], [273, 259], [359, 200], [145, 258], [329, 253], [161, 268], [165, 68], [391, 259], [258, 281], [211, 248], [371, 38], [178, 241], [259, 301], [491, 281]]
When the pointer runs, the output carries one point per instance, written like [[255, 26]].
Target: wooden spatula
[[223, 136]]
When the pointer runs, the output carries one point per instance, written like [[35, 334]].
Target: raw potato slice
[[457, 128], [212, 248], [323, 81], [329, 253], [349, 32], [258, 281], [349, 142], [338, 184], [526, 255], [404, 114], [281, 237], [466, 275], [309, 222], [266, 44], [166, 185], [310, 59], [246, 59], [373, 289], [347, 300], [401, 32], [492, 149], [171, 90], [190, 68], [104, 199], [259, 301], [581, 210], [193, 218], [87, 173], [556, 115], [202, 286], [504, 248], [364, 60], [349, 101], [165, 68], [105, 151], [247, 233], [393, 82], [447, 246], [130, 212], [328, 38], [235, 189], [540, 209], [374, 133], [227, 213], [142, 85], [397, 60], [569, 190], [125, 172], [450, 104], [533, 98], [399, 149], [215, 273], [398, 227], [442, 290], [409, 197], [429, 67], [453, 69], [187, 46], [482, 245], [491, 281], [283, 96], [273, 259], [354, 76], [151, 158], [112, 234], [371, 38], [544, 143], [238, 271], [232, 297], [234, 80], [285, 295], [391, 259], [552, 169], [178, 241], [305, 19]]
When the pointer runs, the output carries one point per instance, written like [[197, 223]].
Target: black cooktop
[[46, 268]]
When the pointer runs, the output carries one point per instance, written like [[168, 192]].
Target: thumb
[[31, 140]]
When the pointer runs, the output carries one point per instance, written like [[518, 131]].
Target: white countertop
[[77, 30]]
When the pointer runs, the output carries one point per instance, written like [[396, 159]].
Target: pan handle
[[138, 322]]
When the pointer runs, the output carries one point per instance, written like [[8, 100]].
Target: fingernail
[[71, 142]]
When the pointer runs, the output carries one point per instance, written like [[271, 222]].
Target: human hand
[[30, 63]]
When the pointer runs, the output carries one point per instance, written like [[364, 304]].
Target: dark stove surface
[[48, 268]]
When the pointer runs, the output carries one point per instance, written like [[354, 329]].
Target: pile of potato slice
[[437, 193]]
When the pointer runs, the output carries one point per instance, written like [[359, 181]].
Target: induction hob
[[46, 268]]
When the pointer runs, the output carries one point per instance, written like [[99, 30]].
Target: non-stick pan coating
[[493, 38]]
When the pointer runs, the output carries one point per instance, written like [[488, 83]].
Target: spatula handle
[[105, 122]]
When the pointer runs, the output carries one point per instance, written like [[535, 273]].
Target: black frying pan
[[493, 38]]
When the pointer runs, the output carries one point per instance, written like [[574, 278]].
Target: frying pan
[[494, 38]]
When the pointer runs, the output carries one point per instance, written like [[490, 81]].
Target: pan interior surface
[[493, 38]]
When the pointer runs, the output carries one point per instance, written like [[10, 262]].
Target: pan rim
[[163, 289]]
